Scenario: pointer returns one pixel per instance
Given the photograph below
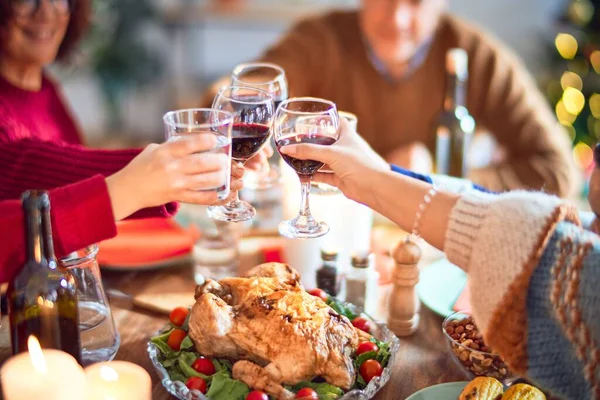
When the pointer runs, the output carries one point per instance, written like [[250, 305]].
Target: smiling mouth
[[39, 35]]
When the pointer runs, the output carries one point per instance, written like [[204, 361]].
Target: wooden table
[[424, 358]]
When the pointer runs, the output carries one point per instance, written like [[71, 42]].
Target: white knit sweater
[[516, 219]]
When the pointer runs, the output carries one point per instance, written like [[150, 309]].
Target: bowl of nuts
[[470, 352]]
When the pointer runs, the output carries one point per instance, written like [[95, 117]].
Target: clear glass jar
[[216, 253], [99, 337], [362, 283]]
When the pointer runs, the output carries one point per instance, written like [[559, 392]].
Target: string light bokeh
[[574, 89]]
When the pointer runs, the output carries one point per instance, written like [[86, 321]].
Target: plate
[[147, 244], [382, 333], [440, 285], [150, 266], [443, 391]]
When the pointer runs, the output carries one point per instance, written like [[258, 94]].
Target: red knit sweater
[[81, 214], [40, 145]]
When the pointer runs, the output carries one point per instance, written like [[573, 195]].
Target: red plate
[[147, 244]]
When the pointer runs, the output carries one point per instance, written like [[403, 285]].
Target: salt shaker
[[403, 318], [362, 283]]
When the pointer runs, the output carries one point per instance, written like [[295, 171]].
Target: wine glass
[[305, 120], [320, 188], [252, 111], [270, 78]]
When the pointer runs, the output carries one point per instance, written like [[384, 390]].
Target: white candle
[[42, 374], [118, 380]]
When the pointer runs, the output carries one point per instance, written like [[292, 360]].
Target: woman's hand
[[179, 170], [351, 159]]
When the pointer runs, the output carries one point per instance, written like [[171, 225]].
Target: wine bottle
[[42, 299], [454, 126]]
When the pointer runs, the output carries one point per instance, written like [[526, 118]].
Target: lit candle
[[118, 380], [47, 374]]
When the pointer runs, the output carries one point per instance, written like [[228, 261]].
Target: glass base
[[242, 211], [292, 229]]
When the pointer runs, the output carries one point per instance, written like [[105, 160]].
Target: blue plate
[[443, 391], [440, 284]]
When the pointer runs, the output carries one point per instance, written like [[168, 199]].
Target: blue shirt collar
[[415, 62]]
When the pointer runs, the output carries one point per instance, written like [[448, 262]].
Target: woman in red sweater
[[41, 146], [85, 212]]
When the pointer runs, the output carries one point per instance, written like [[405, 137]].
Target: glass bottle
[[100, 339], [328, 276], [454, 126], [362, 282], [42, 299]]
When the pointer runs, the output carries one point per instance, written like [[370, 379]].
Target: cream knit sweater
[[534, 275]]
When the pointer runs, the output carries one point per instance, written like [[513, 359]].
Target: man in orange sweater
[[386, 63]]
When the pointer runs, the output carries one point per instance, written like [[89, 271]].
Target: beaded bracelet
[[423, 207]]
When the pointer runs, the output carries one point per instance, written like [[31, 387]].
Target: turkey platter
[[264, 334]]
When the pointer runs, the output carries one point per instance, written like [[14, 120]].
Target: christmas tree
[[574, 89]]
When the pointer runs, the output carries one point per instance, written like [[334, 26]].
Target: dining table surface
[[424, 358]]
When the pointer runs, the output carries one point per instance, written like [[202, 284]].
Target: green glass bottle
[[454, 126], [42, 299]]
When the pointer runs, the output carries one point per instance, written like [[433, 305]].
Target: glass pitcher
[[99, 337]]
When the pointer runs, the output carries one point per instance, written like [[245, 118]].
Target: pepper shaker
[[329, 276], [404, 304]]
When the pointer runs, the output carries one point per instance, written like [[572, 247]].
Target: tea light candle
[[42, 374], [118, 380]]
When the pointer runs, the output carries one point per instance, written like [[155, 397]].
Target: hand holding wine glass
[[350, 159], [305, 120], [252, 111]]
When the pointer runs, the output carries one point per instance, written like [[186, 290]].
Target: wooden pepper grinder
[[403, 317]]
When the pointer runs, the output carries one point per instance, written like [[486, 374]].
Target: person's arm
[[505, 100], [533, 272], [533, 278], [36, 164], [81, 215]]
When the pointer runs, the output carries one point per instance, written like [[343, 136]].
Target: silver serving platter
[[381, 332]]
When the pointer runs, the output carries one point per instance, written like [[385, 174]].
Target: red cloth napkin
[[146, 241]]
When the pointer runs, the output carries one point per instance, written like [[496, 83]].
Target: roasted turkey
[[274, 331]]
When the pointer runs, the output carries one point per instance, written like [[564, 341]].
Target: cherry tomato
[[178, 316], [257, 395], [204, 366], [175, 339], [370, 369], [319, 293], [307, 394], [362, 324], [366, 347], [195, 383]]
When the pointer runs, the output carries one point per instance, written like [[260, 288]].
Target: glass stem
[[304, 203], [236, 201]]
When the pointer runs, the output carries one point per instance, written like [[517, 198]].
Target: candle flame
[[36, 355], [109, 374]]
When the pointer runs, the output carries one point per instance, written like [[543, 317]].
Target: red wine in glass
[[304, 167], [247, 140]]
